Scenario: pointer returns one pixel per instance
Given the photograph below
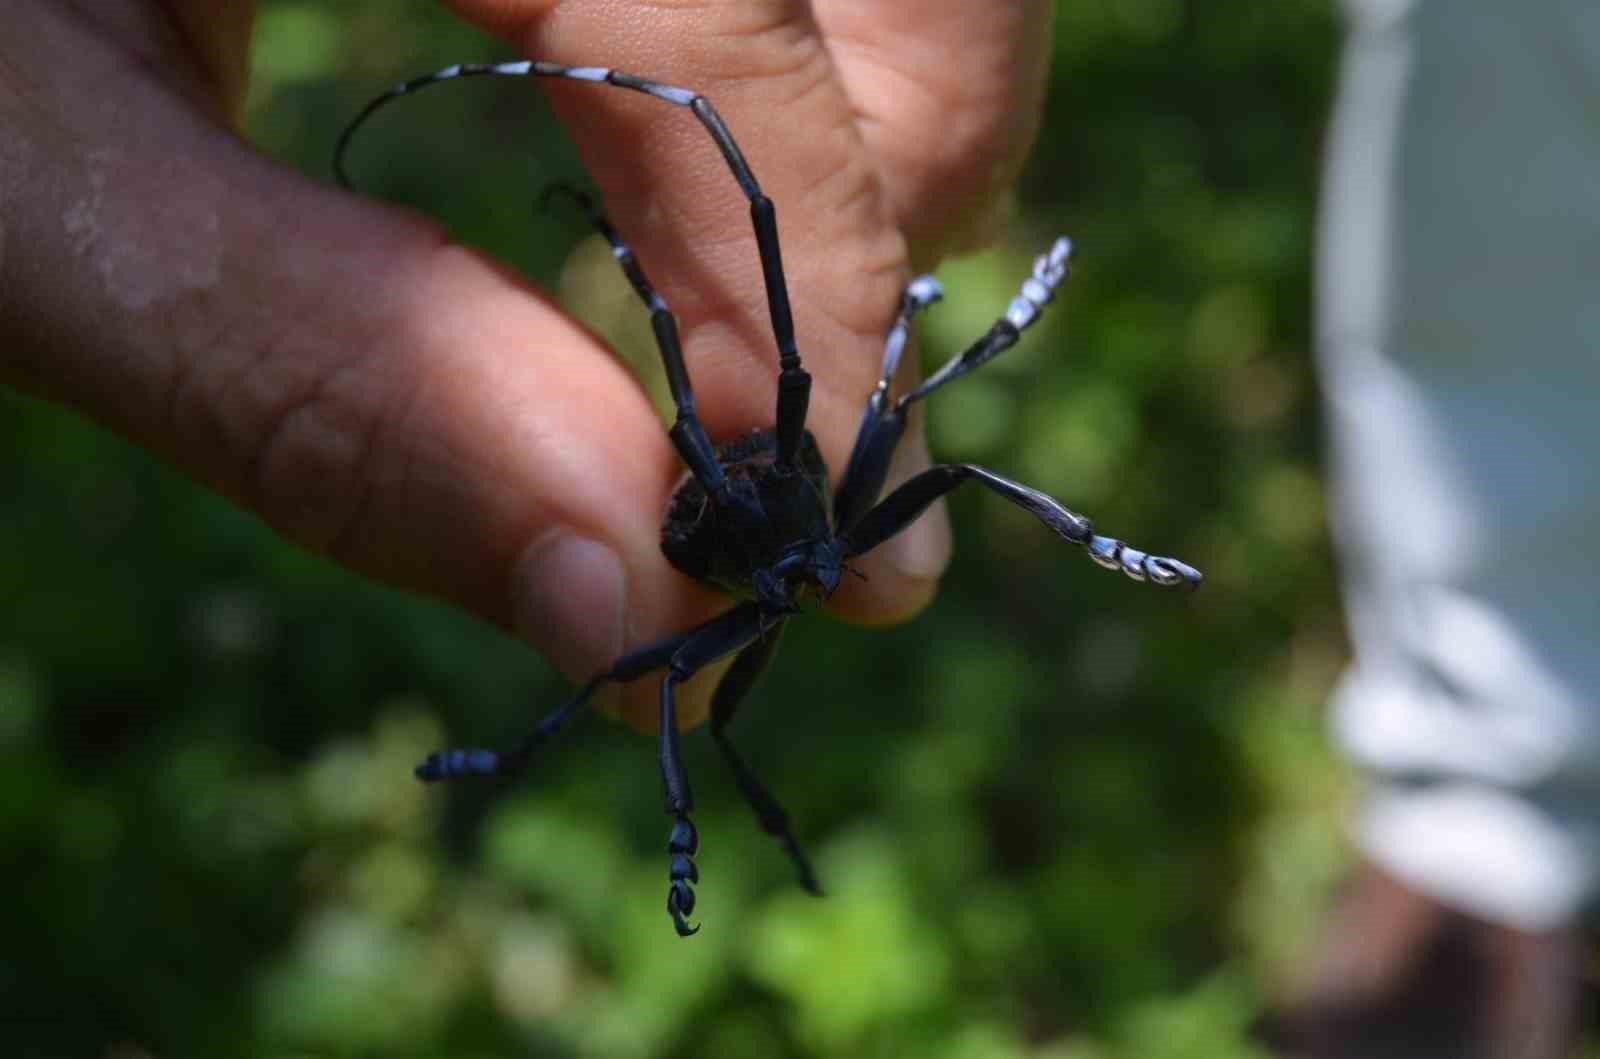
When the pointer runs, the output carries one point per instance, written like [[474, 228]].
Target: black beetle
[[754, 517]]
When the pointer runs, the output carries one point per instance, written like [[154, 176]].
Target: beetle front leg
[[684, 842], [884, 420], [711, 641], [477, 761]]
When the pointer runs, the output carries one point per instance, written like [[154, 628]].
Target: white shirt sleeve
[[1459, 335]]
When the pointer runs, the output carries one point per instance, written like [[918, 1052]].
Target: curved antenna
[[529, 68], [794, 384]]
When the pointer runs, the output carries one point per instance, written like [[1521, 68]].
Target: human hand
[[409, 408]]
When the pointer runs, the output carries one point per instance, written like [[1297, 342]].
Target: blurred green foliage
[[1058, 816]]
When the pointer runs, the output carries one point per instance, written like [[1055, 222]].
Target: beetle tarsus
[[1159, 570], [453, 764], [682, 845]]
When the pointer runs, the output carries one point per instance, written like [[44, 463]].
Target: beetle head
[[809, 570]]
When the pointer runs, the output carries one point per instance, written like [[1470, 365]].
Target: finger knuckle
[[313, 469]]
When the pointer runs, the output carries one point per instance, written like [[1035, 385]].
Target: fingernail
[[570, 594]]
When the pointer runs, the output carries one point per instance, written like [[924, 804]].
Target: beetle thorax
[[770, 540]]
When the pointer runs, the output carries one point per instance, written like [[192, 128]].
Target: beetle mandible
[[754, 516]]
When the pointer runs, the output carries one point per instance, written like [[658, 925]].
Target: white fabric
[[1459, 335]]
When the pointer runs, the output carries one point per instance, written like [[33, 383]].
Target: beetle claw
[[680, 903]]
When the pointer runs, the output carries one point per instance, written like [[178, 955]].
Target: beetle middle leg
[[901, 507]]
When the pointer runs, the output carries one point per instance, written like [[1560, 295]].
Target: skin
[[406, 406]]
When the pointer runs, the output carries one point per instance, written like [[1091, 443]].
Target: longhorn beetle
[[753, 516]]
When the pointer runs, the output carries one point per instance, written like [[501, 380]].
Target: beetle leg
[[453, 764], [883, 421], [717, 637], [902, 507], [741, 676]]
